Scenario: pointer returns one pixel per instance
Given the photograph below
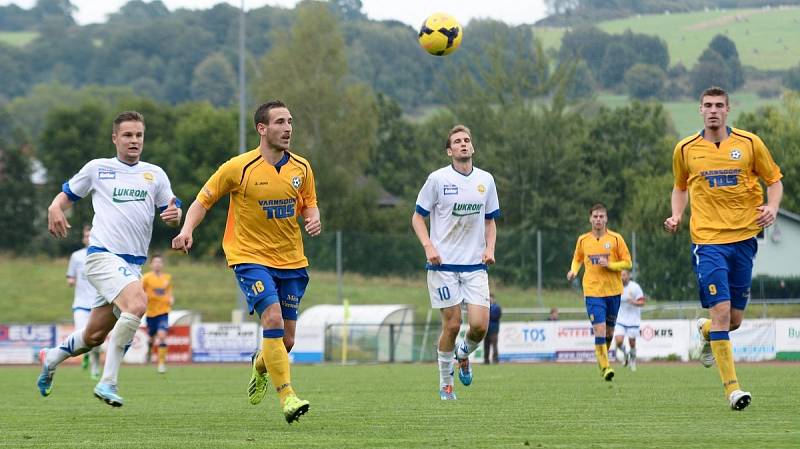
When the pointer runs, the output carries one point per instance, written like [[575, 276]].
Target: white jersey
[[85, 293], [124, 198], [629, 314], [458, 206]]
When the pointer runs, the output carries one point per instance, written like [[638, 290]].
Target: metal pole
[[634, 269], [539, 268], [339, 281], [242, 142], [391, 343]]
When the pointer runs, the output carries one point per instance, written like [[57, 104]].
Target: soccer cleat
[[85, 362], [95, 376], [257, 388], [706, 355], [294, 407], [45, 380], [162, 368], [108, 394], [446, 393], [464, 369], [739, 399], [632, 365], [608, 373]]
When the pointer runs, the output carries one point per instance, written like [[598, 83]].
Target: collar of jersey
[[727, 128], [462, 174], [125, 163], [283, 161]]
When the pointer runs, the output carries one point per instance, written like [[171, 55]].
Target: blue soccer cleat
[[464, 369], [108, 394], [45, 380], [446, 393]]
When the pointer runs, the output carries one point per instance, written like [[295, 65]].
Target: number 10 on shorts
[[444, 293]]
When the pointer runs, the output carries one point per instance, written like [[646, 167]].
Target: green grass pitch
[[536, 405]]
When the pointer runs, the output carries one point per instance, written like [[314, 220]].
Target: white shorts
[[628, 331], [109, 274], [449, 288], [80, 317]]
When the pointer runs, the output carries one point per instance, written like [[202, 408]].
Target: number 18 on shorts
[[448, 288]]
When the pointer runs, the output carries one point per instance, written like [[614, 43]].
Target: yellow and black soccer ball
[[440, 34]]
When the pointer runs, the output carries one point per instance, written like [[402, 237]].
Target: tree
[[710, 70], [17, 210], [645, 81], [587, 43], [214, 80], [335, 121], [727, 49], [792, 78], [617, 60]]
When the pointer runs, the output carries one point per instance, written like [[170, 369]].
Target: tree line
[[552, 155]]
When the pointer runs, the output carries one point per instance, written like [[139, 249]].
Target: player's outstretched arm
[[57, 222], [311, 221], [194, 216], [172, 214], [421, 229], [680, 198]]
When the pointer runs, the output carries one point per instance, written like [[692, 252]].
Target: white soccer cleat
[[162, 368], [632, 365], [706, 355], [739, 399]]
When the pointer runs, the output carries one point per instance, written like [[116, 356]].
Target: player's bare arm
[[172, 214], [194, 216], [767, 213], [312, 224], [421, 229], [491, 239], [680, 198], [57, 222]]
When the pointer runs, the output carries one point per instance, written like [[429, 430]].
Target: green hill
[[17, 38], [768, 39]]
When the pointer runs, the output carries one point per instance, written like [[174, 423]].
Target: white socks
[[445, 368], [121, 336], [71, 346], [466, 347]]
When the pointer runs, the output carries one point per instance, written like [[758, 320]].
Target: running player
[[125, 193], [461, 201]]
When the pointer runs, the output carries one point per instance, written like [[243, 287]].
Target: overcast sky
[[412, 12]]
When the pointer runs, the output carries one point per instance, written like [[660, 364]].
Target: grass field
[[768, 39], [17, 38], [540, 406], [686, 115]]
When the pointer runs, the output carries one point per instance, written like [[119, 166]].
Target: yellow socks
[[723, 353], [162, 354], [276, 359], [601, 352]]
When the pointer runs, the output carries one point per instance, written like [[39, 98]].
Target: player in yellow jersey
[[719, 168], [158, 287], [269, 188], [605, 255]]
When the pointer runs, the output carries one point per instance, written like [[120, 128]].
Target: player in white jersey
[[629, 318], [125, 192], [461, 201], [84, 298]]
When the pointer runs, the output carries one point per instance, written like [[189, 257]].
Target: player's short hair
[[598, 206], [456, 129], [127, 116], [714, 91], [262, 113], [156, 255]]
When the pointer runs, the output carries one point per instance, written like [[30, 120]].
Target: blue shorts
[[724, 272], [263, 286], [157, 323], [603, 309]]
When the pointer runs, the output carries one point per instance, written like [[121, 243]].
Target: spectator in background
[[492, 332], [553, 314]]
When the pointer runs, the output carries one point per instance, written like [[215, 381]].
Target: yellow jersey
[[265, 201], [600, 281], [159, 291], [723, 184]]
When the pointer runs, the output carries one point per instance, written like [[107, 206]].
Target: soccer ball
[[440, 34]]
